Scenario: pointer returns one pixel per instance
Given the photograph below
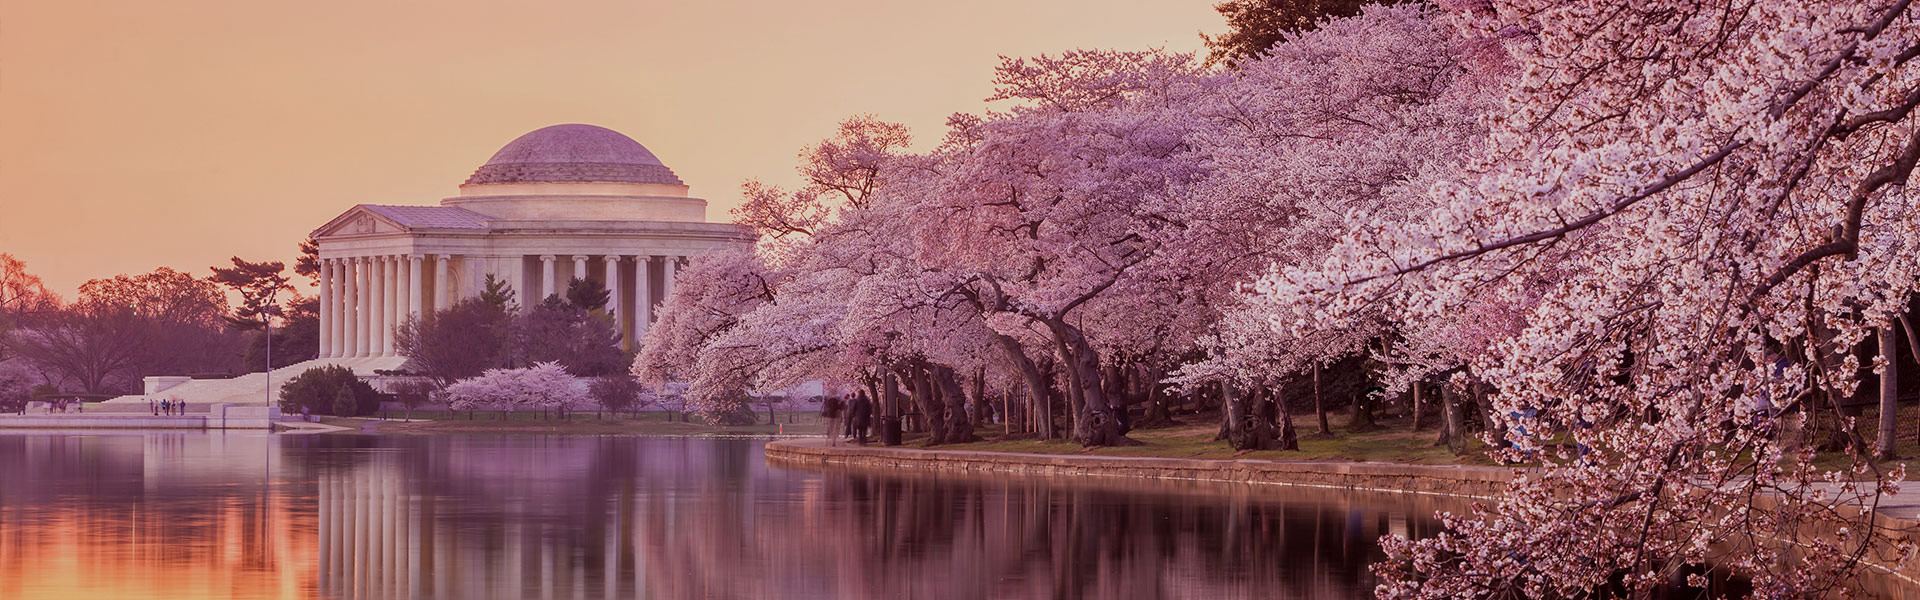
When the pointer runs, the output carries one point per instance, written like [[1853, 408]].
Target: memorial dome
[[573, 153]]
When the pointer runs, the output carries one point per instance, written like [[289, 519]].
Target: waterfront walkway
[[132, 416]]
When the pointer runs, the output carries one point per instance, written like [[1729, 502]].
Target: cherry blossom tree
[[1709, 198], [543, 386]]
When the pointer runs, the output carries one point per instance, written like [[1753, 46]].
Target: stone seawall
[[1439, 480], [218, 416], [103, 421]]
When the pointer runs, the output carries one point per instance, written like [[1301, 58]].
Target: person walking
[[833, 408], [860, 416]]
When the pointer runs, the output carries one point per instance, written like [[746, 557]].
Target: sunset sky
[[135, 135]]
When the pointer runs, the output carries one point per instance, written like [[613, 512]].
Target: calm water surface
[[215, 515]]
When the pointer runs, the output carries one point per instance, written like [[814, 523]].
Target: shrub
[[618, 393], [329, 390]]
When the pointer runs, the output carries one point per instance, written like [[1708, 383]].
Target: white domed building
[[561, 202]]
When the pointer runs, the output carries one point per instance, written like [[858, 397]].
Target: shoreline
[[1458, 481]]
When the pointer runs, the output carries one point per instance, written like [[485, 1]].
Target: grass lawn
[[1391, 442]]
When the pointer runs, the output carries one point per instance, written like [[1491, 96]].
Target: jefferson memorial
[[559, 203]]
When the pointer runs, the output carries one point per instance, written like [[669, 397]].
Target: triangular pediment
[[358, 220]]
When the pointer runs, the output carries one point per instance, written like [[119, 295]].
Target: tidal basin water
[[210, 515]]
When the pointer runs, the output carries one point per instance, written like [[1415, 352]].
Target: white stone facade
[[561, 202]]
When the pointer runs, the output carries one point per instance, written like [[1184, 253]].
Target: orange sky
[[140, 134]]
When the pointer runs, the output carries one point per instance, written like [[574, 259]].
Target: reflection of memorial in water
[[454, 518]]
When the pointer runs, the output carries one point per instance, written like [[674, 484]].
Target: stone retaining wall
[[103, 421], [218, 416], [1442, 480]]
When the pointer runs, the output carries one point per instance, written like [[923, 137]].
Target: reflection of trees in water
[[619, 517], [856, 536], [161, 515], [925, 537]]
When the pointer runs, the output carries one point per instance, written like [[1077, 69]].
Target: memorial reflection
[[348, 517]]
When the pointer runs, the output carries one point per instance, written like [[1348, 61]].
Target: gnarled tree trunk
[[1096, 424], [926, 397], [956, 427], [1289, 438], [1453, 423], [1418, 398], [1320, 403], [1245, 428], [982, 409], [1159, 412], [1036, 381]]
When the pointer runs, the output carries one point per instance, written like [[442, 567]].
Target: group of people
[[60, 405], [852, 416], [167, 407]]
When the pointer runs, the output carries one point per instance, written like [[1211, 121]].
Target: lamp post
[[272, 308]]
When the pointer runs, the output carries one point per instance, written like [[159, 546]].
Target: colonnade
[[364, 298]]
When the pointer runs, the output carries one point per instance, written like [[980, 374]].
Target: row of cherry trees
[[1648, 235], [1089, 241]]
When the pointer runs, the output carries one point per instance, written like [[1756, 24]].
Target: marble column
[[612, 263], [342, 306], [377, 306], [395, 302], [416, 287], [516, 278], [396, 296], [666, 285], [579, 266], [546, 280], [336, 302], [369, 298], [642, 296], [362, 298], [342, 290], [402, 297], [442, 287], [326, 308]]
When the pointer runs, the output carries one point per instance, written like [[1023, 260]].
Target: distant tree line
[[166, 322]]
